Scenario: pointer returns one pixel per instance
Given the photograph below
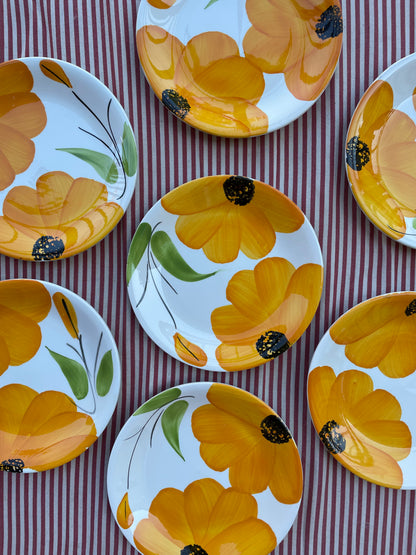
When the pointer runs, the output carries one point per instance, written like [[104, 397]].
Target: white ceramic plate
[[68, 159], [381, 152], [224, 273], [202, 465], [361, 387], [235, 68], [59, 375]]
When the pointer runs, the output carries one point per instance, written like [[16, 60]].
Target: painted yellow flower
[[381, 160], [359, 425], [203, 519], [61, 217], [226, 214], [380, 332], [43, 430], [300, 38], [206, 82], [189, 352], [239, 432], [22, 117], [271, 306], [23, 304]]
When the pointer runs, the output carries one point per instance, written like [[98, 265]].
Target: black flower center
[[239, 190], [194, 549], [411, 308], [48, 248], [358, 153], [330, 23], [331, 438], [12, 465], [175, 103], [274, 429], [272, 344]]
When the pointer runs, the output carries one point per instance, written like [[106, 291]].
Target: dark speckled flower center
[[194, 549], [329, 24], [175, 103], [333, 440], [272, 344], [239, 190], [274, 429], [411, 308], [12, 465], [48, 248], [357, 153]]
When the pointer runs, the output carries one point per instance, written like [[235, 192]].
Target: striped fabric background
[[65, 511]]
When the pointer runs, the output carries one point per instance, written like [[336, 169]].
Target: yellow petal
[[15, 77], [189, 352], [400, 360], [249, 536], [124, 515], [320, 382], [201, 497], [153, 540], [196, 196], [253, 472], [174, 523], [17, 148], [21, 335], [67, 313], [24, 112], [237, 357], [286, 483], [55, 72]]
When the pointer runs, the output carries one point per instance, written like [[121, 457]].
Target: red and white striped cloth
[[65, 511]]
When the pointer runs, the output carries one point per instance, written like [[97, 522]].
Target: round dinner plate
[[59, 375], [361, 390], [68, 159], [224, 273], [239, 69], [203, 465], [381, 152]]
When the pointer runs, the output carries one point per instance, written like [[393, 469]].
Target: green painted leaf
[[159, 401], [129, 151], [171, 420], [414, 223], [210, 3], [137, 248], [170, 258], [105, 374], [74, 372], [103, 164]]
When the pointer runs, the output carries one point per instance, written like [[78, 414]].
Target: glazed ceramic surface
[[225, 273], [381, 152], [59, 375], [235, 68], [68, 159], [361, 388], [220, 457]]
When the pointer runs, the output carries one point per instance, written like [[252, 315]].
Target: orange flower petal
[[237, 357], [281, 212], [15, 77], [250, 536], [196, 230], [253, 472], [196, 196], [17, 148], [55, 72], [7, 173], [67, 313], [124, 516], [189, 352], [201, 498], [173, 523], [24, 112], [286, 483], [257, 234], [21, 335], [393, 437], [224, 245], [400, 361], [28, 297], [377, 405], [152, 540], [161, 4], [320, 382]]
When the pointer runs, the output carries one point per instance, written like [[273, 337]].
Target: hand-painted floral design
[[208, 519], [243, 434], [206, 82], [23, 304], [22, 117], [124, 515], [226, 214], [43, 430], [381, 160], [380, 332], [271, 306], [189, 352], [161, 4], [61, 217], [359, 425], [300, 38]]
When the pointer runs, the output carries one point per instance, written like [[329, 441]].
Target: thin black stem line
[[161, 275], [154, 427], [87, 370], [96, 355], [116, 147], [100, 122], [69, 316], [99, 139], [76, 350], [163, 300], [401, 232], [186, 349]]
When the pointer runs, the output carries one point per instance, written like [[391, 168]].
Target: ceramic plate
[[235, 68], [225, 273], [361, 389], [381, 152], [201, 466], [68, 159], [59, 375]]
